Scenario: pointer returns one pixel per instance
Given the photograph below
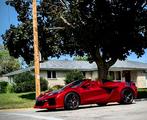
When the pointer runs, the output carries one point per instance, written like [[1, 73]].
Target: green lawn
[[17, 100]]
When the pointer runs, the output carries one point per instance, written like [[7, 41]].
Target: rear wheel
[[71, 101], [127, 96]]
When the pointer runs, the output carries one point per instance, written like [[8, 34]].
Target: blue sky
[[9, 16]]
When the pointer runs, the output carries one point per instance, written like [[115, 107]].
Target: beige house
[[55, 71]]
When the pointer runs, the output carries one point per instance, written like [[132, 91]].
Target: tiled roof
[[83, 66], [129, 65], [18, 72], [67, 65]]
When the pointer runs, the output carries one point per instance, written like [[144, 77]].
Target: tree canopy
[[7, 63], [80, 58], [104, 30]]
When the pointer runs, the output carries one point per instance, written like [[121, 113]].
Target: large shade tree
[[103, 30], [7, 62]]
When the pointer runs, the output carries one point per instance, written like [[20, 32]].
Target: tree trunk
[[102, 72], [103, 65]]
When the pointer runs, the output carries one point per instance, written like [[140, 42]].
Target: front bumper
[[50, 103]]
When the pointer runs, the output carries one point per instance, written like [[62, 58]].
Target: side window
[[84, 73], [48, 74], [146, 76], [51, 74], [118, 75], [111, 75]]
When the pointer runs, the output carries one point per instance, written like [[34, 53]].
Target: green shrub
[[109, 77], [6, 87], [10, 88], [44, 84], [25, 82], [23, 77], [73, 75], [142, 93], [3, 87], [56, 87]]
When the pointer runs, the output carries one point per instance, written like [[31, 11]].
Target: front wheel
[[127, 96], [71, 101]]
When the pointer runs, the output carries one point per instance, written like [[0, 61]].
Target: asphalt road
[[135, 111]]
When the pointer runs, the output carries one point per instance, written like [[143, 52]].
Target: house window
[[111, 75], [48, 74], [146, 76], [51, 74], [127, 76], [118, 75], [84, 74]]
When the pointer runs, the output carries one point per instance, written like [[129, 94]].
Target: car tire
[[71, 101], [127, 96]]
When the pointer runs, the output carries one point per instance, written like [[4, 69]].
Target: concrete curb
[[16, 109], [141, 99]]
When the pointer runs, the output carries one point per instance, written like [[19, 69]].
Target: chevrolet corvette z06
[[86, 91]]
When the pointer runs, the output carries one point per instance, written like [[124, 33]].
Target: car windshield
[[73, 84], [76, 83]]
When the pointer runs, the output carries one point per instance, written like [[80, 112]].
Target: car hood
[[48, 94]]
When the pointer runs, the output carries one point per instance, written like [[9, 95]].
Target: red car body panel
[[90, 92]]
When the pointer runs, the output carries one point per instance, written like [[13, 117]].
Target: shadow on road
[[82, 107]]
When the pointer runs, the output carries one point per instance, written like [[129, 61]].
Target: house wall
[[94, 75], [141, 81], [4, 79], [133, 76], [88, 75], [139, 77], [7, 79], [43, 74], [59, 80], [60, 77]]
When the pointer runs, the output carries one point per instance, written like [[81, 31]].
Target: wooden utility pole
[[36, 51]]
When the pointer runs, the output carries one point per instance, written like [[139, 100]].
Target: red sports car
[[83, 92]]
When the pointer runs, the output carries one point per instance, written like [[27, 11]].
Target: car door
[[92, 93]]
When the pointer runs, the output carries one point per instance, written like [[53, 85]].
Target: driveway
[[135, 111]]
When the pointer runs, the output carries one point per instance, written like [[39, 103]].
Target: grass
[[17, 100], [142, 93]]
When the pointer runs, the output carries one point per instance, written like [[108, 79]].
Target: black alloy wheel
[[71, 101], [127, 96]]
